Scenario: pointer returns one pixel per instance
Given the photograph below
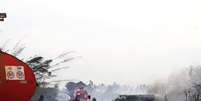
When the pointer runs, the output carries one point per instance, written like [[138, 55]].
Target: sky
[[123, 41]]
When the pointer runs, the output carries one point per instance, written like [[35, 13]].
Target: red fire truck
[[17, 80]]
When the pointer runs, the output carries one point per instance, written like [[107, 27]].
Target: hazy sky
[[127, 41]]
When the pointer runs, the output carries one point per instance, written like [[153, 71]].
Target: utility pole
[[2, 16]]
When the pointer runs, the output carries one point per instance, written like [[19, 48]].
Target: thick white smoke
[[109, 93], [100, 92]]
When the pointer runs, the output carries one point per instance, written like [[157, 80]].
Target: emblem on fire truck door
[[15, 73]]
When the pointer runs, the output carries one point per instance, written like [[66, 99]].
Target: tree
[[43, 68]]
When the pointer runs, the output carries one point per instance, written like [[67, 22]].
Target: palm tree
[[43, 68]]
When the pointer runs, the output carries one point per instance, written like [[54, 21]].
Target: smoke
[[182, 85], [104, 92], [110, 92]]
